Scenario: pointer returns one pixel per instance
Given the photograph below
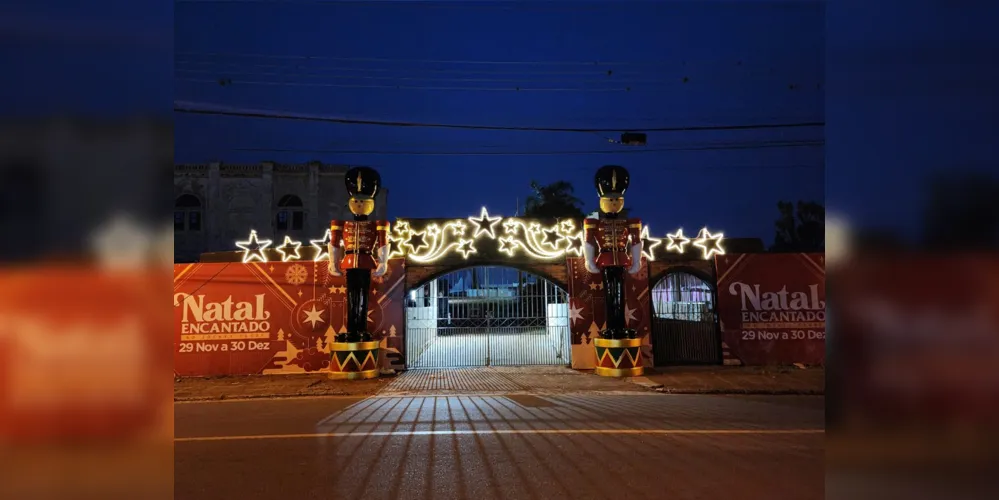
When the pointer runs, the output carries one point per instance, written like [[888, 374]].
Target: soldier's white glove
[[590, 258], [335, 255]]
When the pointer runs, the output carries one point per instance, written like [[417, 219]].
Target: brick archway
[[418, 273]]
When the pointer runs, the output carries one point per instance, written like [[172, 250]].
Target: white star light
[[321, 246], [648, 249], [253, 248], [314, 316], [466, 248], [709, 243], [289, 249], [484, 224], [677, 241]]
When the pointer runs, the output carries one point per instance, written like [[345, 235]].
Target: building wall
[[237, 198]]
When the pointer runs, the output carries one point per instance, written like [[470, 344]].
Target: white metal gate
[[487, 316]]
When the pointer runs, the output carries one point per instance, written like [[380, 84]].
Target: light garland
[[709, 243], [322, 246], [253, 248], [649, 244], [438, 240], [677, 241], [286, 254]]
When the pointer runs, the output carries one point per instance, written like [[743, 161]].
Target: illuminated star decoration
[[551, 237], [575, 244], [314, 316], [289, 249], [416, 241], [253, 248], [649, 244], [322, 246], [466, 248], [709, 243], [484, 224], [507, 245], [677, 241]]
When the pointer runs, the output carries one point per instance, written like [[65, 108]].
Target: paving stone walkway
[[487, 380]]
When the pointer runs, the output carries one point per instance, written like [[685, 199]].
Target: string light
[[322, 246], [437, 240], [649, 244], [286, 254], [709, 243], [677, 241], [253, 248]]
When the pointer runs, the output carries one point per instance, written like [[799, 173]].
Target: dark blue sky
[[911, 90], [740, 59]]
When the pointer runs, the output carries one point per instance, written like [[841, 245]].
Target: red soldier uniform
[[360, 241], [613, 240]]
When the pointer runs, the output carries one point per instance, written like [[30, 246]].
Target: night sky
[[737, 58], [911, 90]]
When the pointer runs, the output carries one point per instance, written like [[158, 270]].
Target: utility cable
[[191, 108]]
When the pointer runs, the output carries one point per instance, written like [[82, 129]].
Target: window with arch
[[290, 213], [187, 213]]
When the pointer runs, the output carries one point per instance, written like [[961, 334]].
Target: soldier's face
[[611, 204], [359, 206]]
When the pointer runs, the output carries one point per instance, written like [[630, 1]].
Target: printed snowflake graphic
[[296, 274]]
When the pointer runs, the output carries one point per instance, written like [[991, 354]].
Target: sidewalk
[[272, 386], [734, 380], [676, 380]]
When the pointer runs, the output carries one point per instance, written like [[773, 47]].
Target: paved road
[[502, 447]]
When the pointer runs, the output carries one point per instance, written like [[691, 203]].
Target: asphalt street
[[582, 446]]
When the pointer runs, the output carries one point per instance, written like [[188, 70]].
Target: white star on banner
[[574, 313], [314, 316], [629, 315]]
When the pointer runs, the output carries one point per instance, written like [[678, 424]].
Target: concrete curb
[[202, 399], [761, 392]]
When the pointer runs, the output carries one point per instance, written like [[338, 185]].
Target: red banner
[[772, 307], [82, 352], [587, 312], [921, 333], [275, 317]]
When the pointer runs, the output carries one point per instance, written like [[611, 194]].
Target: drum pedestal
[[618, 357], [354, 360]]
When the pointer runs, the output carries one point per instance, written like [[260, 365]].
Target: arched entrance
[[487, 316], [684, 320]]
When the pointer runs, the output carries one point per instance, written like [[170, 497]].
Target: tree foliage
[[800, 227], [555, 200]]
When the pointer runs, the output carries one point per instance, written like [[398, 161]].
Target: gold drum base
[[618, 357], [354, 360]]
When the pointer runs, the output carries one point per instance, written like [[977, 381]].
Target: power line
[[593, 63], [248, 113], [321, 78], [789, 144], [417, 87]]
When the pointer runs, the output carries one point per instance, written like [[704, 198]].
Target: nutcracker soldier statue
[[612, 247], [358, 248]]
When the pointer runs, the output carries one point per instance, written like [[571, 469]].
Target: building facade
[[216, 204]]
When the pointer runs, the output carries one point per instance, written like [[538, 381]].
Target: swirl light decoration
[[512, 236]]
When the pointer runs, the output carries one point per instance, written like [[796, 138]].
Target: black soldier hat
[[362, 182], [611, 180]]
